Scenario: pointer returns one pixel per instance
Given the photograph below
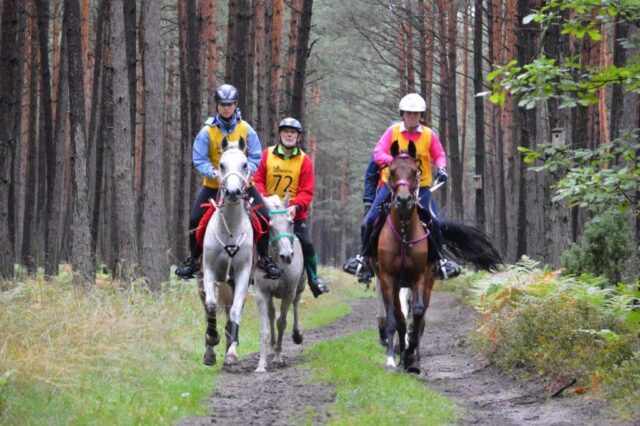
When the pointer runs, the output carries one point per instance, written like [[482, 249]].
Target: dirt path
[[285, 396]]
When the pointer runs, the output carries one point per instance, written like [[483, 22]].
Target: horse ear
[[395, 148], [242, 144], [224, 144], [286, 199], [412, 150]]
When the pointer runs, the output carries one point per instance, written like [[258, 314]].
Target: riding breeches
[[301, 229], [196, 214]]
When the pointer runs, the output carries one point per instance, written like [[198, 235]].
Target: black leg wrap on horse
[[212, 337], [231, 331]]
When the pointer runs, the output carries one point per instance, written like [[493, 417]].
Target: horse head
[[234, 169], [404, 178], [280, 227]]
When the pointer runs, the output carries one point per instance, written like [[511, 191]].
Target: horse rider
[[410, 130], [206, 157], [286, 168]]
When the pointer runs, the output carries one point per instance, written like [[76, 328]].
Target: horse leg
[[382, 315], [296, 335], [419, 309], [272, 325], [401, 324], [239, 295], [211, 337], [262, 301], [387, 290], [282, 325], [404, 304]]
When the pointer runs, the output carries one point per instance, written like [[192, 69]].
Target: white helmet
[[412, 103]]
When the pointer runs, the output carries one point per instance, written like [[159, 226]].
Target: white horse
[[227, 259], [285, 247]]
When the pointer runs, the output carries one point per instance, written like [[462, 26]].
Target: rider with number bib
[[428, 146], [286, 168], [206, 157]]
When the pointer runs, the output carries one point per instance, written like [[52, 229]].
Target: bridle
[[290, 235], [401, 234]]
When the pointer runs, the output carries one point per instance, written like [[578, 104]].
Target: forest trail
[[483, 396]]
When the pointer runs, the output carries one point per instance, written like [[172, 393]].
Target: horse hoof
[[230, 359], [297, 337], [261, 369], [413, 369], [209, 357]]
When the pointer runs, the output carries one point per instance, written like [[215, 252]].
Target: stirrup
[[447, 269]]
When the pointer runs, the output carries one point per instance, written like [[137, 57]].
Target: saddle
[[254, 215], [425, 218]]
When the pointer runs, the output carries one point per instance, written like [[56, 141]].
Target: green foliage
[[599, 179], [604, 247], [568, 80], [365, 390], [563, 327]]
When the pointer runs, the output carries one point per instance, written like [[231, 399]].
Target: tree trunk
[[31, 168], [50, 226], [479, 116], [210, 22], [9, 105], [274, 72], [294, 28], [127, 255], [302, 53], [262, 71], [81, 244], [154, 219], [452, 141], [239, 76]]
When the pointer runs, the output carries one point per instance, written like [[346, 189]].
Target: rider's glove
[[442, 174]]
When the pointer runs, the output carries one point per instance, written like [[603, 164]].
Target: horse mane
[[272, 200]]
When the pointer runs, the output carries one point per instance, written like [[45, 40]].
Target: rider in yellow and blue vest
[[206, 158], [286, 168], [429, 148]]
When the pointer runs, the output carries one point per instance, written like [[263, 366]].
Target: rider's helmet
[[226, 94], [290, 122], [412, 103]]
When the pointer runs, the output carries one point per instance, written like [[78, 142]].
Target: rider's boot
[[272, 270], [444, 268], [188, 268], [316, 285]]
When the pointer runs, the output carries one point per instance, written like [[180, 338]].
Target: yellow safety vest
[[422, 153], [283, 174], [215, 150]]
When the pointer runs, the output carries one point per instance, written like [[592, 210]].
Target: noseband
[[289, 235]]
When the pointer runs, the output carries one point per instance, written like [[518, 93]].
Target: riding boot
[[445, 269], [191, 265], [316, 285], [272, 270]]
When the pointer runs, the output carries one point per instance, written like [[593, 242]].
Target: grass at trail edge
[[367, 393]]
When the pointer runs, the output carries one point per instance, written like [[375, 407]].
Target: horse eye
[[244, 166], [222, 167]]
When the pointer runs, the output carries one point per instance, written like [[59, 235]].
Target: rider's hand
[[442, 174], [292, 210]]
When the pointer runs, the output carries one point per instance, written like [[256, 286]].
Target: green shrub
[[604, 246]]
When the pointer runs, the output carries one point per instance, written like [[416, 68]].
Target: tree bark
[[84, 270], [302, 53], [127, 254], [46, 138], [9, 105], [274, 70], [479, 116], [154, 219], [210, 21]]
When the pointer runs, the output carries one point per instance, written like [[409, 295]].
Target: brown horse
[[402, 258]]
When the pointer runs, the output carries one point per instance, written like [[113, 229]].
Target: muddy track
[[285, 396]]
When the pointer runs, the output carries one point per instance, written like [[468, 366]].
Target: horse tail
[[471, 245]]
